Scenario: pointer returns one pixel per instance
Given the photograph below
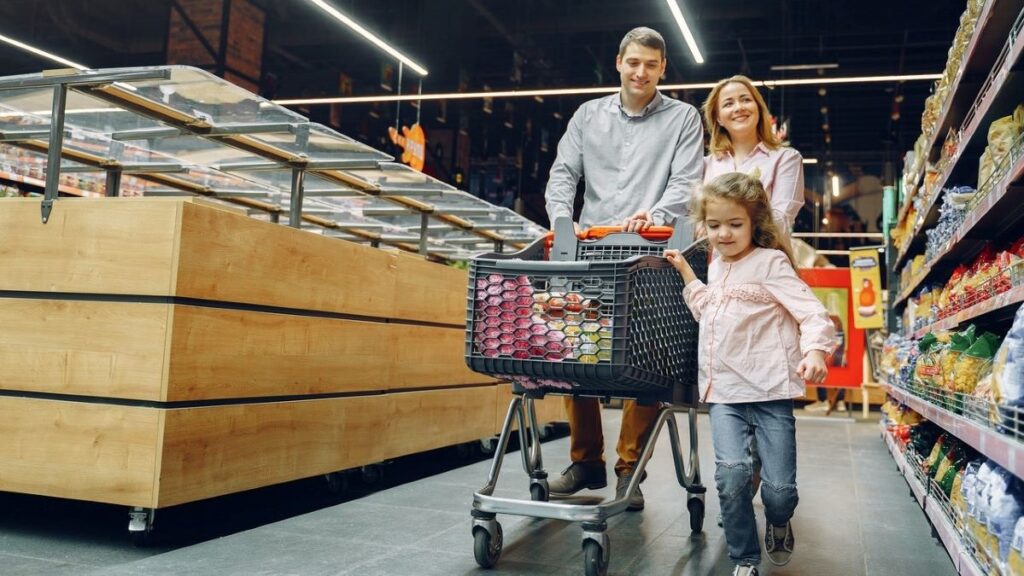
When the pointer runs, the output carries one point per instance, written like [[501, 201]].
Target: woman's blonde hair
[[749, 193], [719, 141]]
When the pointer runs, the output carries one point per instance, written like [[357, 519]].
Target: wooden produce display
[[157, 351]]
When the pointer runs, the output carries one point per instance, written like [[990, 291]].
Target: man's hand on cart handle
[[638, 222], [812, 368], [680, 263]]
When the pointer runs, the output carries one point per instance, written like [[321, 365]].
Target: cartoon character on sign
[[867, 297], [414, 143]]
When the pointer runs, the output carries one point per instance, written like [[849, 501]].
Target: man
[[641, 155]]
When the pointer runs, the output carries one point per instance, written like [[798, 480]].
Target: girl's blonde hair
[[719, 141], [749, 193]]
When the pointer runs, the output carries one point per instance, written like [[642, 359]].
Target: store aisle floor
[[856, 517]]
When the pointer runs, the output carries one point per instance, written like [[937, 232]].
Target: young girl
[[762, 334]]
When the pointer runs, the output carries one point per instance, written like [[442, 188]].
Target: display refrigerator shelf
[[932, 504], [1004, 450], [1009, 298], [70, 190], [982, 215], [990, 31]]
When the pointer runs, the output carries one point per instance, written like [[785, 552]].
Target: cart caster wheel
[[696, 508], [538, 493], [595, 559], [487, 547], [140, 526], [336, 482]]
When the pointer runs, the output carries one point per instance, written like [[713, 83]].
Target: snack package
[[974, 363], [1015, 563], [1004, 511], [1008, 377]]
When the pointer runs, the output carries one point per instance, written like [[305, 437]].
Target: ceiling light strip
[[691, 43], [598, 90], [40, 52], [369, 36]]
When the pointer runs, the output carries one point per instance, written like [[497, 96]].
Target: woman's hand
[[813, 368], [679, 262], [638, 222]]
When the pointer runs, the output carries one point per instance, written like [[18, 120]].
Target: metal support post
[[424, 222], [53, 153], [113, 182], [295, 210]]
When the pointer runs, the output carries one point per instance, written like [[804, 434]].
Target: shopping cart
[[599, 314]]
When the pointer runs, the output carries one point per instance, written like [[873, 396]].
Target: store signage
[[865, 279], [414, 144]]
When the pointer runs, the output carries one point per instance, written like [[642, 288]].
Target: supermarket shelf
[[991, 102], [1002, 449], [1008, 197], [990, 33], [960, 554], [70, 190], [1009, 298]]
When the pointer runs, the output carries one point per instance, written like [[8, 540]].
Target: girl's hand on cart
[[638, 222], [679, 262], [813, 368]]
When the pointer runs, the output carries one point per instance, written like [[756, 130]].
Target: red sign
[[832, 285]]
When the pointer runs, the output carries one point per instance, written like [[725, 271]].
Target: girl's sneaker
[[745, 571], [778, 543]]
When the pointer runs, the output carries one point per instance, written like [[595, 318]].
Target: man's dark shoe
[[579, 475], [636, 501]]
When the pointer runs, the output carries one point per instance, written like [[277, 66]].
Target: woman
[[741, 140]]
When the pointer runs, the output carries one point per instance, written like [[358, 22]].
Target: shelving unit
[[988, 86], [936, 508]]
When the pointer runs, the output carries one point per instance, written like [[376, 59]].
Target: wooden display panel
[[94, 246], [430, 292], [104, 349], [217, 353], [219, 450], [94, 452]]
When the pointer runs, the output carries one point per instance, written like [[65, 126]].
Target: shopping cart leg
[[533, 462], [689, 475], [596, 549]]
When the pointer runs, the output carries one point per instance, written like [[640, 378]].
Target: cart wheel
[[595, 559], [488, 445], [487, 548], [696, 508], [538, 493]]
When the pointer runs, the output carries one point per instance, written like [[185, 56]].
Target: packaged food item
[[974, 362], [1015, 563], [1008, 376], [1004, 511]]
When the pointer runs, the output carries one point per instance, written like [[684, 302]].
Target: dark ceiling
[[557, 43]]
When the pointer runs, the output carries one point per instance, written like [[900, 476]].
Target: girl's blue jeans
[[733, 428]]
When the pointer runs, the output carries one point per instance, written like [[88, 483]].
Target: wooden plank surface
[[219, 450], [429, 292], [218, 353], [230, 258], [105, 349], [98, 246], [94, 452]]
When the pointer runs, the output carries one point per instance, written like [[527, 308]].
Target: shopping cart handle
[[562, 241], [652, 233]]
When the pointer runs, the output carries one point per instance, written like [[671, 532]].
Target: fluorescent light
[[835, 185], [43, 53], [596, 90], [829, 66], [369, 36], [810, 160], [687, 35]]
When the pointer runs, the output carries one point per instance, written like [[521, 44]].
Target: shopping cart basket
[[599, 314]]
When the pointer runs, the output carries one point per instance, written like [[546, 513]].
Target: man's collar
[[649, 108]]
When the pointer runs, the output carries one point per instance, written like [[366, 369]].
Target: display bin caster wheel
[[336, 482], [140, 526], [595, 559], [488, 445], [487, 546], [696, 508]]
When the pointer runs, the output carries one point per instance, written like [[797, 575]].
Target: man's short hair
[[644, 36]]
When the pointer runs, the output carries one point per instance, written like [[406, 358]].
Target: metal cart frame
[[488, 539]]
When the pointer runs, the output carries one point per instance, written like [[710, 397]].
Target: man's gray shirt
[[652, 161]]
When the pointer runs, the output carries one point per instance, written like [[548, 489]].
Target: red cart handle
[[597, 232]]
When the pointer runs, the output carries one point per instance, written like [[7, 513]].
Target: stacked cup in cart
[[992, 272], [974, 374], [983, 500]]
